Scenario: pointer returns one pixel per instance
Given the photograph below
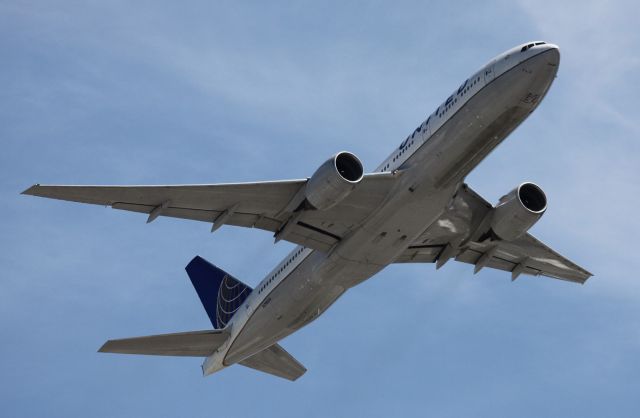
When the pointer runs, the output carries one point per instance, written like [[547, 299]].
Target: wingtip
[[302, 372], [587, 277], [31, 190]]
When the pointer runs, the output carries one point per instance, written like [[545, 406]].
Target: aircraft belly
[[385, 236], [297, 301]]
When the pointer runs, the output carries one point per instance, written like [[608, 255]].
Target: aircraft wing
[[264, 205], [457, 234]]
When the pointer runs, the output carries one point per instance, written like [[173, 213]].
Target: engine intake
[[518, 211], [334, 180]]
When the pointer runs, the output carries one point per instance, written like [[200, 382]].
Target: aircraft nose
[[551, 54]]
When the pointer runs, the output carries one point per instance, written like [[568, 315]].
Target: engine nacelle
[[517, 211], [333, 181]]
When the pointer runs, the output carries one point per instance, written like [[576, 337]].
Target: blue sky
[[206, 92]]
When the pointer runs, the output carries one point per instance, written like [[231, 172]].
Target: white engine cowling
[[518, 211], [333, 181]]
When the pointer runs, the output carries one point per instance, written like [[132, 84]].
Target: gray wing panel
[[463, 226], [535, 257], [262, 205], [267, 197], [191, 344], [276, 361]]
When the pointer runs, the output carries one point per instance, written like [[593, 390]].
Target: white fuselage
[[430, 164]]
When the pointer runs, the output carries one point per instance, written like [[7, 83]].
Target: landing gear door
[[489, 72]]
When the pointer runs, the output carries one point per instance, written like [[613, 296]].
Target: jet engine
[[517, 211], [333, 181]]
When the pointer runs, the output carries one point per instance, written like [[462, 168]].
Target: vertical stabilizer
[[221, 294]]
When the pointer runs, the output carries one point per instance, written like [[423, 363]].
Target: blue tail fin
[[220, 293]]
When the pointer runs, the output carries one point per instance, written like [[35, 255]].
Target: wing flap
[[190, 344], [276, 361], [508, 261], [420, 254], [247, 220]]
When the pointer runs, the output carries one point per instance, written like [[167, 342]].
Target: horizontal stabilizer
[[276, 361], [191, 344]]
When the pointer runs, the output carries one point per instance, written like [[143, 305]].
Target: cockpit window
[[524, 48], [540, 43]]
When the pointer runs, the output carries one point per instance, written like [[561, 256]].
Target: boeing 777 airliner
[[415, 208]]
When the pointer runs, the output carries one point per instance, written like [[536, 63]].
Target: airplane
[[349, 225]]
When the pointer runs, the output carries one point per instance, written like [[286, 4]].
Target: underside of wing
[[526, 255], [195, 202], [190, 344], [272, 205], [459, 234]]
